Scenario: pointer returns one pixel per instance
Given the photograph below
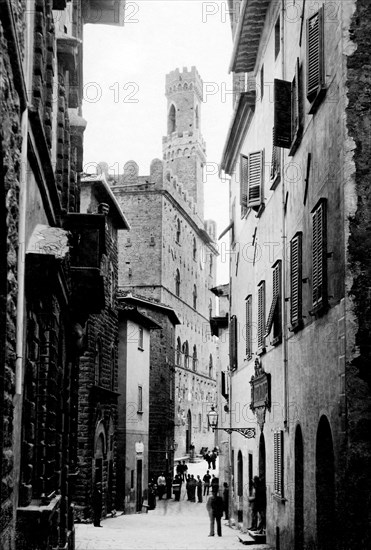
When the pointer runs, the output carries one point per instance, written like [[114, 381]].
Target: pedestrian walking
[[152, 494], [214, 506], [253, 505], [226, 500], [206, 480], [179, 469], [176, 487], [192, 489], [97, 504], [213, 459], [214, 484], [208, 459], [199, 489], [184, 470], [161, 486]]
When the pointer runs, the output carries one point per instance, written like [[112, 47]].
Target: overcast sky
[[124, 85]]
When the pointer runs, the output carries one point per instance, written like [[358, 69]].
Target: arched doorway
[[325, 487], [189, 431], [262, 468], [299, 490]]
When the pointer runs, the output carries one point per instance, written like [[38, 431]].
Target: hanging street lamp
[[212, 417]]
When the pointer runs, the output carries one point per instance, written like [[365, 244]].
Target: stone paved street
[[171, 526]]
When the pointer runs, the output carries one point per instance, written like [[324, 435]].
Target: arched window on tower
[[194, 296], [211, 366], [194, 249], [178, 352], [194, 358], [197, 118], [177, 282], [177, 237], [171, 123]]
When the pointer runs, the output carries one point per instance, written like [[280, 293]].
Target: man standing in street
[[97, 504], [161, 486], [215, 506], [206, 480]]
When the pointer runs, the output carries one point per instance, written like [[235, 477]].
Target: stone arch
[[180, 87], [325, 486], [185, 87], [100, 451]]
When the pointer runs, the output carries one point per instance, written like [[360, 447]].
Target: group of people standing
[[210, 457]]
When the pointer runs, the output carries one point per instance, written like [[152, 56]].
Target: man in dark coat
[[206, 480], [215, 506], [226, 500]]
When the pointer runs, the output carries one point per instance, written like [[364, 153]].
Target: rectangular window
[[319, 256], [140, 399], [274, 317], [243, 183], [140, 338], [277, 37], [278, 463], [255, 180], [296, 275], [249, 327], [315, 60], [282, 113], [233, 342], [261, 316]]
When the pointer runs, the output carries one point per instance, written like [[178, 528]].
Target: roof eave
[[115, 209]]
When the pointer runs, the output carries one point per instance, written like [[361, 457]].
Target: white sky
[[124, 85]]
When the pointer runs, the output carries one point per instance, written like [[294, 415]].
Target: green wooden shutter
[[261, 315], [319, 258], [244, 180], [255, 179], [296, 279], [315, 54], [249, 327], [282, 113], [276, 297]]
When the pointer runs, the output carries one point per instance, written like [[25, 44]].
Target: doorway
[[299, 490], [189, 432], [262, 473], [325, 487], [139, 499]]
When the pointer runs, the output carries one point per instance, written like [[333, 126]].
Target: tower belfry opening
[[171, 123]]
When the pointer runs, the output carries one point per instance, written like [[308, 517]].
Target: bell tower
[[183, 147]]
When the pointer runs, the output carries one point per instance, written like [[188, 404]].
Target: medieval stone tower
[[183, 147]]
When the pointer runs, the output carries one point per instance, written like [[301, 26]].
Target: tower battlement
[[183, 81]]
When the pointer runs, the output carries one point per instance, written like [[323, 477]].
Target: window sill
[[316, 102], [261, 351], [279, 498], [319, 309]]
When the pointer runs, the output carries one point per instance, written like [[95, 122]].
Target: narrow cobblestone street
[[171, 526]]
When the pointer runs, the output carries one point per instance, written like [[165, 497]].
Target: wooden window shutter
[[296, 271], [224, 383], [282, 113], [319, 254], [276, 161], [233, 343], [315, 54], [244, 180], [249, 327], [261, 315], [278, 463], [295, 101], [255, 179], [276, 297]]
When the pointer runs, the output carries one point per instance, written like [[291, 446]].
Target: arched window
[[177, 282], [194, 358], [194, 296], [194, 249], [177, 238], [178, 352], [98, 362], [171, 123], [197, 118], [211, 366], [185, 350]]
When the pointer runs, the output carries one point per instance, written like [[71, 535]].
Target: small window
[[194, 297], [278, 463], [171, 120], [178, 231], [140, 337], [211, 372], [194, 249], [194, 358], [185, 351], [140, 399], [178, 352], [177, 282], [277, 37]]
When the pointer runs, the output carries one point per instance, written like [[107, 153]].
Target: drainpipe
[[284, 248]]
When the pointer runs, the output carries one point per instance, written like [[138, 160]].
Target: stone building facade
[[299, 312], [46, 284], [170, 255], [98, 372]]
